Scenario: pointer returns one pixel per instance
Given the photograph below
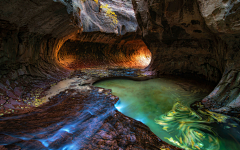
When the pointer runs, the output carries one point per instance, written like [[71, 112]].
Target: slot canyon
[[119, 74]]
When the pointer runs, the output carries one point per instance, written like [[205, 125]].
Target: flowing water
[[164, 107]]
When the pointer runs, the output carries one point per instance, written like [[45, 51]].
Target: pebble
[[100, 90]]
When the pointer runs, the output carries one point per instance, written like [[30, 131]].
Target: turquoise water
[[163, 106]]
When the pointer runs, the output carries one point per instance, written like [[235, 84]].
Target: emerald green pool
[[163, 106]]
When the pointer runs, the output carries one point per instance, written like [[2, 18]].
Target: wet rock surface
[[81, 117], [222, 18], [27, 92]]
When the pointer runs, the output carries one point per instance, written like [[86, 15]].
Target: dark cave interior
[[53, 52]]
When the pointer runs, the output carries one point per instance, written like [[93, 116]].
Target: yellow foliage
[[108, 11], [110, 14], [104, 6]]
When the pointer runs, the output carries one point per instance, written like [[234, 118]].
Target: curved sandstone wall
[[31, 34], [29, 38], [196, 37], [103, 50]]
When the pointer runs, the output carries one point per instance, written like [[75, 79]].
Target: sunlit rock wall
[[104, 50], [109, 16], [32, 32]]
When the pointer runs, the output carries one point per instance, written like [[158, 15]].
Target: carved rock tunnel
[[45, 43], [85, 54]]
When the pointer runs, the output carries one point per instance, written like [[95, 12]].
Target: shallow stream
[[164, 107]]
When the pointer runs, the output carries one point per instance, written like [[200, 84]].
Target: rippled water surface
[[164, 107]]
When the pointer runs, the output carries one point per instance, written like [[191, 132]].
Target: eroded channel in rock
[[116, 53]]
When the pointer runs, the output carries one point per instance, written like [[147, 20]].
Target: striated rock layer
[[222, 18], [97, 49], [32, 33], [186, 37], [195, 37]]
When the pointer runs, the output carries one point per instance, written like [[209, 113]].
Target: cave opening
[[76, 55]]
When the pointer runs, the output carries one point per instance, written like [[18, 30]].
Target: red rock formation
[[104, 50]]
